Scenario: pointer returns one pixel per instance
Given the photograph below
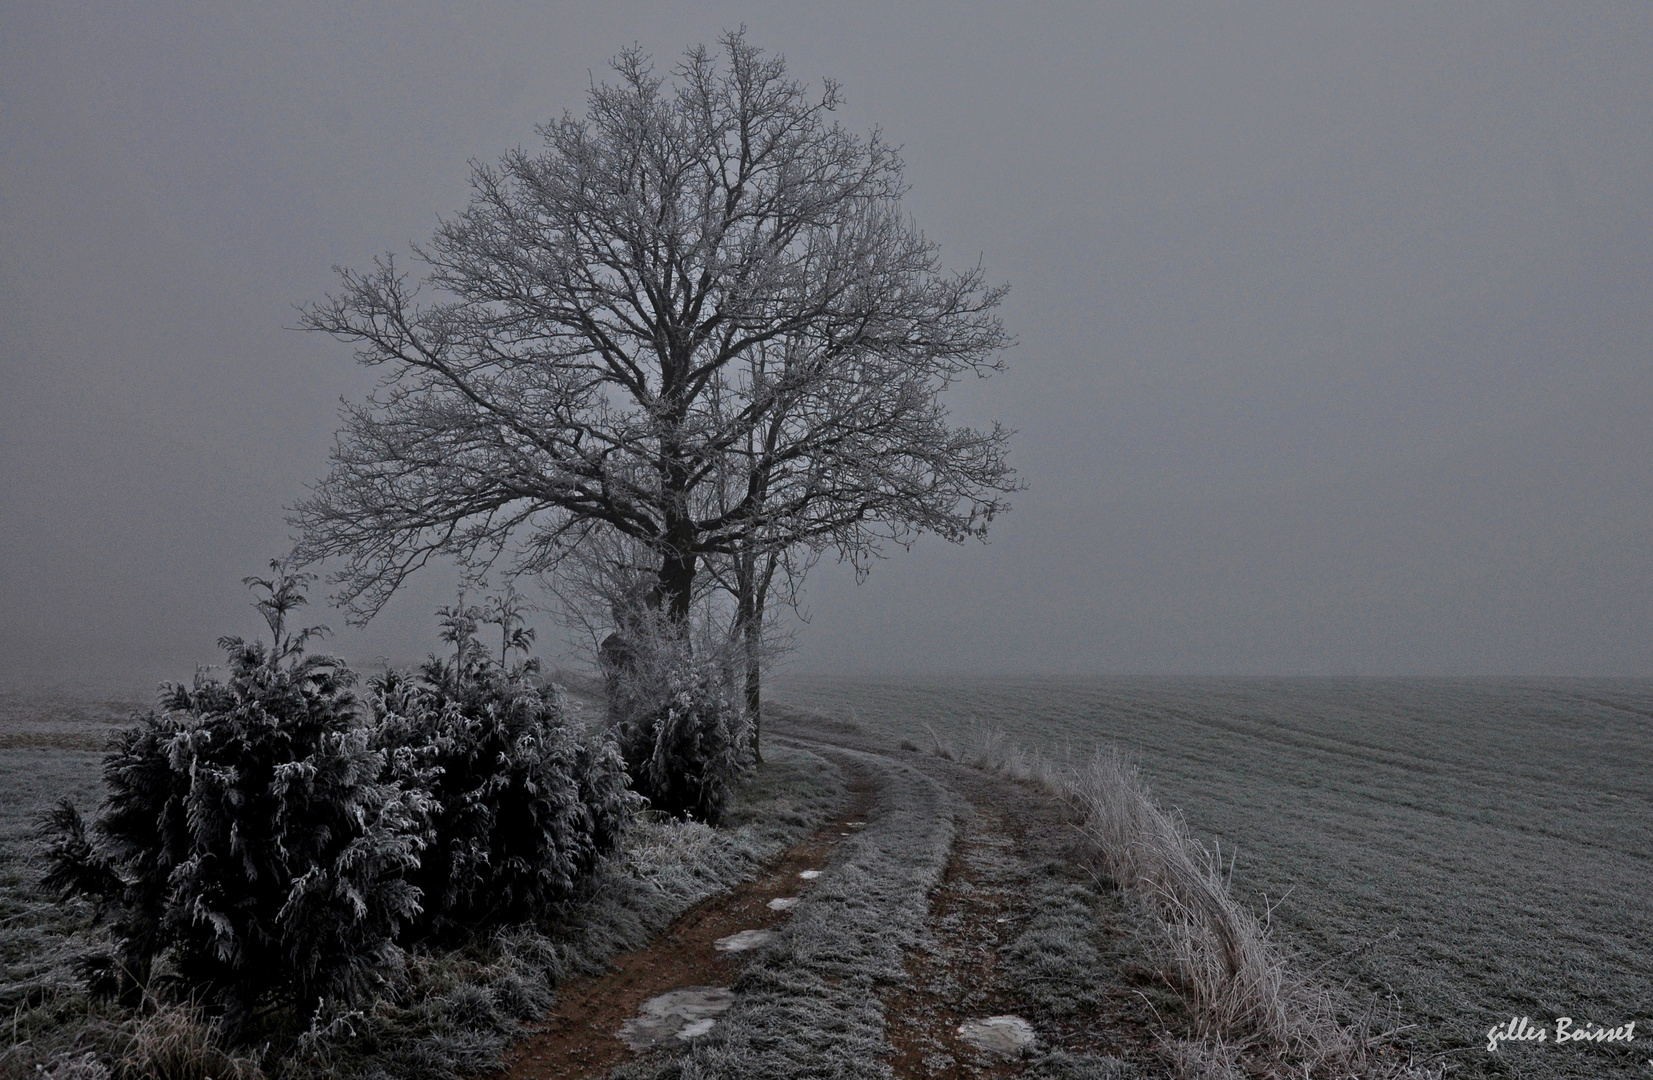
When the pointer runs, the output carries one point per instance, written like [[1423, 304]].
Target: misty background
[[1336, 325]]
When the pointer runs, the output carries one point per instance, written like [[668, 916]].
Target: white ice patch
[[783, 903], [809, 875], [694, 1029], [1006, 1035], [682, 1014], [746, 939]]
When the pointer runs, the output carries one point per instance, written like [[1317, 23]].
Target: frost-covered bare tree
[[696, 317]]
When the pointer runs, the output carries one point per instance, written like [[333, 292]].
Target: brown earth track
[[579, 1038], [952, 983], [1010, 833], [981, 906]]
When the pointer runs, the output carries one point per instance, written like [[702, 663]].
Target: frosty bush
[[249, 836], [525, 808], [266, 841], [684, 734]]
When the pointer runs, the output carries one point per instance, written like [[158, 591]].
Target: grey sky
[[1336, 323]]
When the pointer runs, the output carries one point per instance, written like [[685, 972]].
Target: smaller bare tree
[[761, 584]]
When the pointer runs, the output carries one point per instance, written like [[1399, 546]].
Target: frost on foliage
[[250, 836], [266, 840], [525, 808], [685, 738]]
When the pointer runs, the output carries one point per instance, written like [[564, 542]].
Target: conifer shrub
[[525, 807], [249, 836], [267, 841]]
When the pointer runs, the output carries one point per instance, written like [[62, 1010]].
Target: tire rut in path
[[579, 1039], [972, 914], [1010, 839]]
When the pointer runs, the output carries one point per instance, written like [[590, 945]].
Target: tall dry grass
[[1253, 1011], [179, 1041], [1238, 986], [160, 1041]]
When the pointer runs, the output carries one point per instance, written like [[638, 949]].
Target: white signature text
[[1522, 1029]]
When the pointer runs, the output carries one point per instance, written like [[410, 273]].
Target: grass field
[[1484, 849], [51, 746]]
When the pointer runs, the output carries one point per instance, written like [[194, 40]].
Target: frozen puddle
[[677, 1014], [809, 875], [1007, 1035], [783, 903], [746, 939]]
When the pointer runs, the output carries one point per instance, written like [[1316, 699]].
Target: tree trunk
[[751, 600], [754, 686], [677, 556], [677, 588], [749, 617]]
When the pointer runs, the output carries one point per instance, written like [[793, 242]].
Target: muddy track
[[579, 1039], [987, 932], [973, 913], [981, 942]]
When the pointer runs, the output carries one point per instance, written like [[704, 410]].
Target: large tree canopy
[[697, 316]]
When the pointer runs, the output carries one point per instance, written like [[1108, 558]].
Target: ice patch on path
[[695, 1029], [809, 875], [783, 903], [746, 939], [1007, 1035], [682, 1014]]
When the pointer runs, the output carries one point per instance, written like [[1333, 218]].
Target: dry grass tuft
[[1217, 954], [180, 1042], [1253, 1012], [944, 748]]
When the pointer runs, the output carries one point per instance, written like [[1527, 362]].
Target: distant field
[[1503, 830], [51, 746]]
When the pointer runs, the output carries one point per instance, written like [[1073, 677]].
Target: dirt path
[[1014, 926], [998, 946], [973, 913], [579, 1038]]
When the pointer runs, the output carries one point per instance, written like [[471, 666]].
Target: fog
[[1335, 323]]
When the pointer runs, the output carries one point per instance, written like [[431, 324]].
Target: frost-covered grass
[[1254, 1011], [39, 938], [452, 1011], [1053, 963], [1463, 850]]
